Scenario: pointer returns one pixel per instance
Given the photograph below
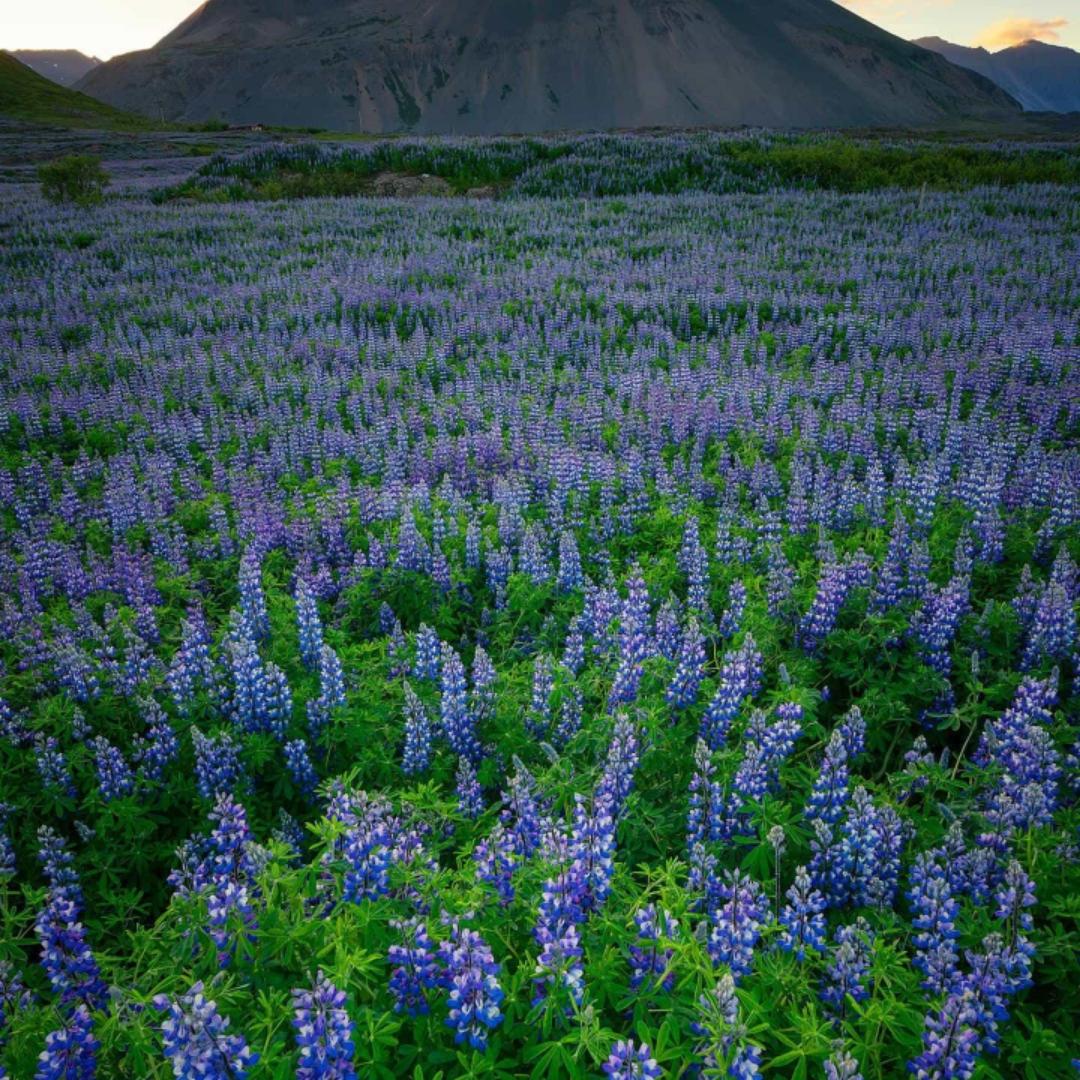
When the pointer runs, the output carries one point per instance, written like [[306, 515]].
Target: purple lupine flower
[[417, 755], [935, 625], [634, 641], [14, 996], [559, 976], [428, 654], [737, 922], [496, 857], [416, 969], [569, 576], [323, 1032], [592, 852], [52, 766], [950, 1042], [705, 816], [650, 965], [617, 779], [934, 911], [456, 719], [308, 625], [1052, 635], [740, 677], [470, 798], [482, 697], [71, 1051], [1014, 896], [472, 977], [115, 779], [574, 647], [731, 621], [849, 967], [628, 1061], [803, 918], [538, 716], [331, 691], [367, 847], [724, 1049], [682, 691], [298, 762], [571, 713], [829, 796], [196, 1039], [217, 764], [841, 1065], [252, 597]]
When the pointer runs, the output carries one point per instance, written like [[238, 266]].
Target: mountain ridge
[[482, 67], [63, 66], [1042, 77]]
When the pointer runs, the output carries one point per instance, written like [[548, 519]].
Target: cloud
[[1006, 32]]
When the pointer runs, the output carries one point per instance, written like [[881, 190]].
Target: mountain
[[63, 66], [486, 66], [1043, 78], [31, 98]]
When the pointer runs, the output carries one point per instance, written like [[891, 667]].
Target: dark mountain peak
[[63, 66], [485, 66], [1041, 76]]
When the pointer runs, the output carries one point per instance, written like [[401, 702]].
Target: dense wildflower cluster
[[684, 585]]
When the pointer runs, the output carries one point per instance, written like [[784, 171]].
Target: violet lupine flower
[[298, 762], [724, 1049], [731, 621], [1052, 635], [628, 1061], [634, 643], [252, 597], [617, 779], [456, 719], [197, 1042], [115, 779], [935, 625], [428, 654], [1014, 896], [158, 748], [52, 767], [471, 975], [14, 996], [65, 955], [650, 965], [740, 677], [368, 845], [849, 967], [538, 716], [331, 691], [469, 796], [705, 816], [571, 713], [496, 857], [71, 1051], [416, 970], [574, 647], [482, 696], [559, 977], [934, 912], [829, 796], [570, 576], [417, 755], [667, 636], [191, 669], [323, 1032], [592, 852], [841, 1065], [308, 625], [950, 1042], [737, 922], [869, 851], [217, 764], [682, 691], [802, 918]]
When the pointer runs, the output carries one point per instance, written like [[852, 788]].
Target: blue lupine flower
[[802, 918], [197, 1042], [628, 1061], [471, 975], [323, 1032], [71, 1051], [416, 970]]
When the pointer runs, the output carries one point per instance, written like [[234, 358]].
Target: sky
[[104, 28]]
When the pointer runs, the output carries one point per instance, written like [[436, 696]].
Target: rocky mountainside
[[1043, 78], [63, 66], [484, 66]]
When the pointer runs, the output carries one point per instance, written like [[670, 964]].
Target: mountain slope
[[1043, 78], [29, 97], [483, 66], [63, 66]]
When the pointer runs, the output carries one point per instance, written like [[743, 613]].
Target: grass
[[27, 96]]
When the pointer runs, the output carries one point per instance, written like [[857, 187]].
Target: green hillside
[[26, 95]]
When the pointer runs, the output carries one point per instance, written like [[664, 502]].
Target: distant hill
[[1043, 78], [63, 66], [486, 66], [27, 96]]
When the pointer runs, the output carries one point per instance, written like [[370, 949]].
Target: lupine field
[[582, 633]]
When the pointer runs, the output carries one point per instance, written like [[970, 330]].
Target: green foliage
[[76, 178]]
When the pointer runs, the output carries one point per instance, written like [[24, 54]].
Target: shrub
[[76, 178]]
